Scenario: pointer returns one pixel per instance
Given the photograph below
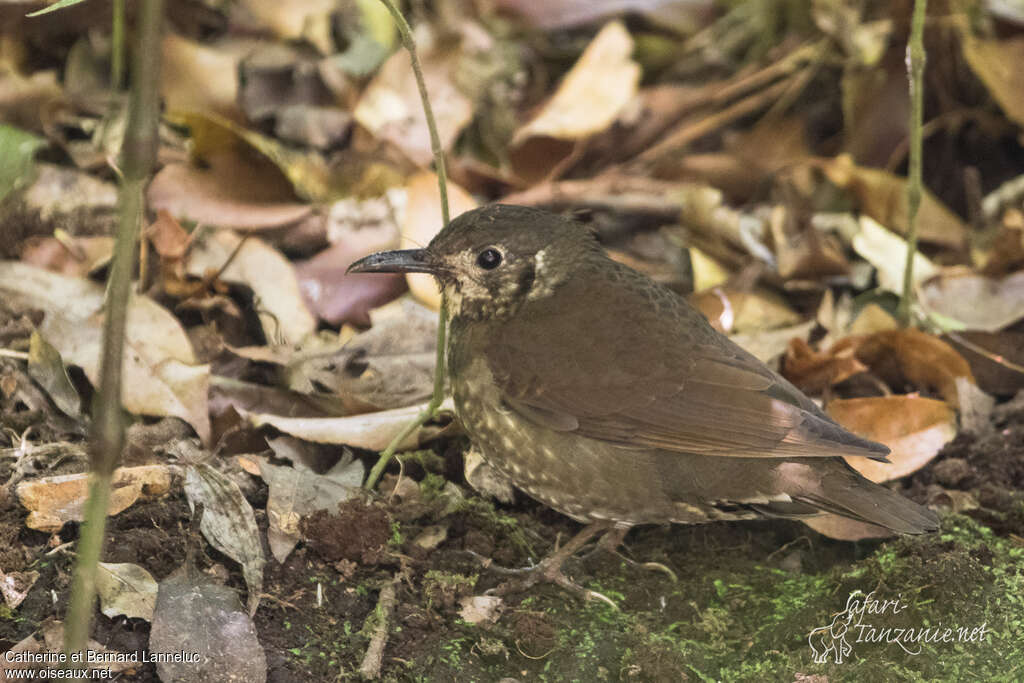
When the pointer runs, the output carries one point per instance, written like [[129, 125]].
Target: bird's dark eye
[[489, 259]]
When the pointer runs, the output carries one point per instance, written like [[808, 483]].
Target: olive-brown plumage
[[609, 398]]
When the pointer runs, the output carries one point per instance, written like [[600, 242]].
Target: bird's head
[[490, 261]]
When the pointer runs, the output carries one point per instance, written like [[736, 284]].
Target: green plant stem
[[435, 139], [915, 64], [138, 154], [435, 402], [117, 46], [442, 185]]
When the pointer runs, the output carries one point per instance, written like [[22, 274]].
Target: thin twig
[[435, 139], [442, 185], [107, 438], [915, 69], [370, 667]]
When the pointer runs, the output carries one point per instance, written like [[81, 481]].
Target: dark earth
[[747, 596]]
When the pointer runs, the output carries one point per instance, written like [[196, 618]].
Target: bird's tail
[[843, 491]]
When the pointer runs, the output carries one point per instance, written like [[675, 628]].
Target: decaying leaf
[[373, 431], [389, 366], [211, 195], [127, 589], [484, 479], [731, 310], [296, 492], [914, 428], [813, 371], [588, 100], [214, 135], [768, 345], [355, 228], [887, 252], [976, 301], [994, 62], [161, 376], [47, 368], [69, 255], [391, 109], [198, 77], [478, 609], [228, 523], [52, 501], [912, 356], [206, 620], [14, 586], [883, 197]]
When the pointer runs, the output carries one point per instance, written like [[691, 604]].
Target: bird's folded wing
[[686, 397]]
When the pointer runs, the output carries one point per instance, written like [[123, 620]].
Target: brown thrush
[[609, 398]]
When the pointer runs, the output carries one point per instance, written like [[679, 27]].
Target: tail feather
[[845, 492]]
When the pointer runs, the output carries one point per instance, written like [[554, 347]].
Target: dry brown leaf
[[593, 93], [161, 376], [991, 369], [767, 345], [730, 310], [887, 252], [228, 523], [296, 492], [14, 586], [909, 355], [846, 529], [391, 109], [214, 136], [914, 428], [979, 302], [169, 239], [69, 255], [588, 100], [272, 278], [806, 254], [681, 15], [213, 195], [996, 63], [127, 589], [883, 196], [199, 77], [355, 228], [391, 365], [52, 501], [477, 609], [812, 371], [372, 431], [422, 220], [290, 19]]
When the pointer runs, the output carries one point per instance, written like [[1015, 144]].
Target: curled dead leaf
[[52, 501], [588, 100], [883, 196], [914, 428], [372, 431]]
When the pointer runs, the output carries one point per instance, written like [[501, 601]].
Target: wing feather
[[660, 378]]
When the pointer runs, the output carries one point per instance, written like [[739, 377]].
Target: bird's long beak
[[398, 261]]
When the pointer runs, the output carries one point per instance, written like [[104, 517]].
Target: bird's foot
[[549, 573], [549, 570], [612, 541]]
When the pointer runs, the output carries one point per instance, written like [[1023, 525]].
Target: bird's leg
[[549, 570], [612, 540]]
